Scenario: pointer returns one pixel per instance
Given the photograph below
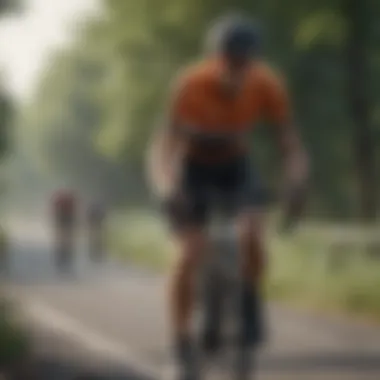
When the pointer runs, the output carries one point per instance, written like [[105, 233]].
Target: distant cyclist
[[203, 145], [96, 216], [65, 221]]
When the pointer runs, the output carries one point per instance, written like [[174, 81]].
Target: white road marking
[[64, 324]]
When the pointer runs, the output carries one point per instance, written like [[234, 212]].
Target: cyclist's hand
[[295, 201], [296, 171]]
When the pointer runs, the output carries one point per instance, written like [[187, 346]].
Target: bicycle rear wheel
[[245, 365]]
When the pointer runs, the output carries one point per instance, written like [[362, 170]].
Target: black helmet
[[234, 36]]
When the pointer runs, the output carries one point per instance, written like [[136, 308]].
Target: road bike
[[220, 287]]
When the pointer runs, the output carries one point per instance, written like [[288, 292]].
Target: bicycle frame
[[222, 282]]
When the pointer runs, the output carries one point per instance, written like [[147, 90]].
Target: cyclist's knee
[[192, 244], [251, 226]]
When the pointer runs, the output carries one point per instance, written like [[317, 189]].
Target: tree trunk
[[358, 17]]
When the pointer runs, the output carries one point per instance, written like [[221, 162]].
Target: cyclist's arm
[[285, 133], [163, 144], [166, 145]]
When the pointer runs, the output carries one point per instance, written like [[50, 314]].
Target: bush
[[140, 239], [14, 342]]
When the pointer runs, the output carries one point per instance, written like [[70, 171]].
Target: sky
[[26, 41]]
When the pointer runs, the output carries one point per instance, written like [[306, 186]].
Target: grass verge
[[140, 239], [319, 269]]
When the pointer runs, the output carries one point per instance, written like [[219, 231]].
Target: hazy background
[[87, 80], [82, 84]]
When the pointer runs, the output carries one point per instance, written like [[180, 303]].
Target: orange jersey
[[199, 101]]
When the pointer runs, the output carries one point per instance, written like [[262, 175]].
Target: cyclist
[[96, 215], [203, 145], [65, 219]]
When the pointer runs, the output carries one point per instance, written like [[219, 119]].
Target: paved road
[[119, 313]]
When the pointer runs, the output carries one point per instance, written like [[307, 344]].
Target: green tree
[[135, 50], [7, 6], [6, 118], [358, 59]]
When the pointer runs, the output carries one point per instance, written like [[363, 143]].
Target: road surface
[[119, 313]]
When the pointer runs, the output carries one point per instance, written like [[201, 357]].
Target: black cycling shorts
[[231, 187]]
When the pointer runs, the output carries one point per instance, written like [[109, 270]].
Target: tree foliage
[[96, 106], [7, 6]]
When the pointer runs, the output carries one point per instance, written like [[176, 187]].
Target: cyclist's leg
[[251, 220], [188, 214], [251, 235], [191, 243], [65, 241]]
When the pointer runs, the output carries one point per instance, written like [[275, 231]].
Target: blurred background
[[83, 83], [87, 80]]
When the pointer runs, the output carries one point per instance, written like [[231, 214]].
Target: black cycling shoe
[[187, 361]]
